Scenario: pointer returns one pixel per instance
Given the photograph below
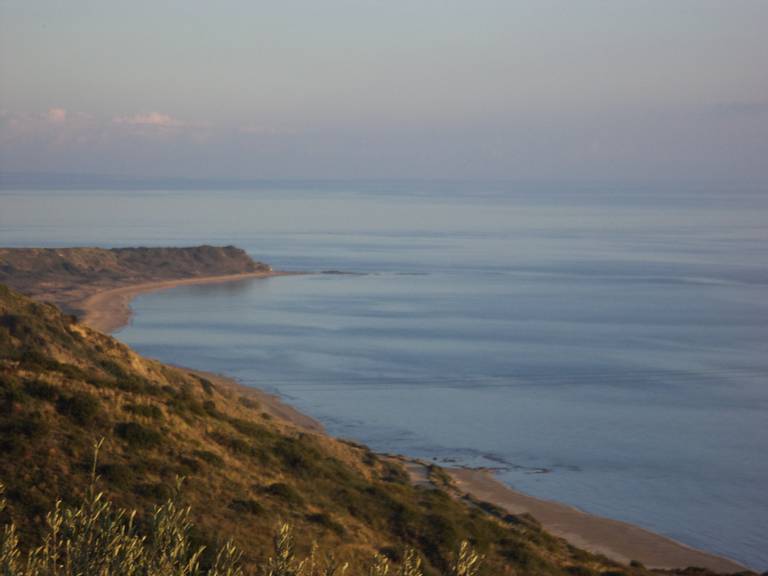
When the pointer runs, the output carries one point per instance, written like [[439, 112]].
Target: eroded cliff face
[[63, 275]]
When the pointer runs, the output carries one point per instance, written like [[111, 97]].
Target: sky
[[647, 90]]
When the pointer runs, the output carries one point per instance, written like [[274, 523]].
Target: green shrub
[[250, 429], [41, 390], [438, 534], [183, 401], [153, 490], [394, 473], [20, 427], [521, 554], [369, 458], [246, 506], [118, 475], [12, 394], [284, 492], [249, 402], [97, 537], [234, 444], [189, 465], [138, 436], [206, 385], [81, 407], [146, 410], [127, 381], [301, 458], [209, 406], [209, 457], [324, 520]]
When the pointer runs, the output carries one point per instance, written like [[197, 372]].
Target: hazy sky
[[533, 89]]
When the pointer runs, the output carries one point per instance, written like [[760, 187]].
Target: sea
[[601, 345]]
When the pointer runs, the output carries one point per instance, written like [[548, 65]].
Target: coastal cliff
[[66, 276]]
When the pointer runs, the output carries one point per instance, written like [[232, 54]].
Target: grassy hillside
[[62, 273], [64, 386]]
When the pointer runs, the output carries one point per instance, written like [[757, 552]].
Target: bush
[[41, 390], [284, 492], [394, 473], [22, 426], [209, 406], [209, 457], [12, 394], [300, 457], [154, 490], [249, 403], [232, 443], [324, 520], [206, 385], [81, 407], [520, 553], [188, 465], [250, 429], [118, 475], [439, 533], [146, 410], [246, 506], [138, 436], [97, 537]]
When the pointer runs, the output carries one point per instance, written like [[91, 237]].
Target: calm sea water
[[602, 347]]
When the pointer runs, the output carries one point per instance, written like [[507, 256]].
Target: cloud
[[57, 115], [152, 119]]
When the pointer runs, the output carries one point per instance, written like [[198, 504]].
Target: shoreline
[[620, 541], [109, 309]]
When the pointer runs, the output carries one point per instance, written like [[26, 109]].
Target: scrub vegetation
[[261, 495]]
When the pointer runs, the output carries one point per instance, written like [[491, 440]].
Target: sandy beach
[[108, 310], [617, 540]]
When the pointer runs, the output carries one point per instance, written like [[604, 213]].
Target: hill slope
[[63, 386]]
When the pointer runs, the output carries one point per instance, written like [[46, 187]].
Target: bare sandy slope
[[617, 540], [108, 310]]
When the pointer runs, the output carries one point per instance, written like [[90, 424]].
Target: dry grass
[[62, 386], [97, 538]]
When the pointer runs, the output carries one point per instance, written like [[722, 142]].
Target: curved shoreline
[[109, 310], [620, 541]]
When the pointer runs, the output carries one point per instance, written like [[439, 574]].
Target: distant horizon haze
[[544, 90]]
